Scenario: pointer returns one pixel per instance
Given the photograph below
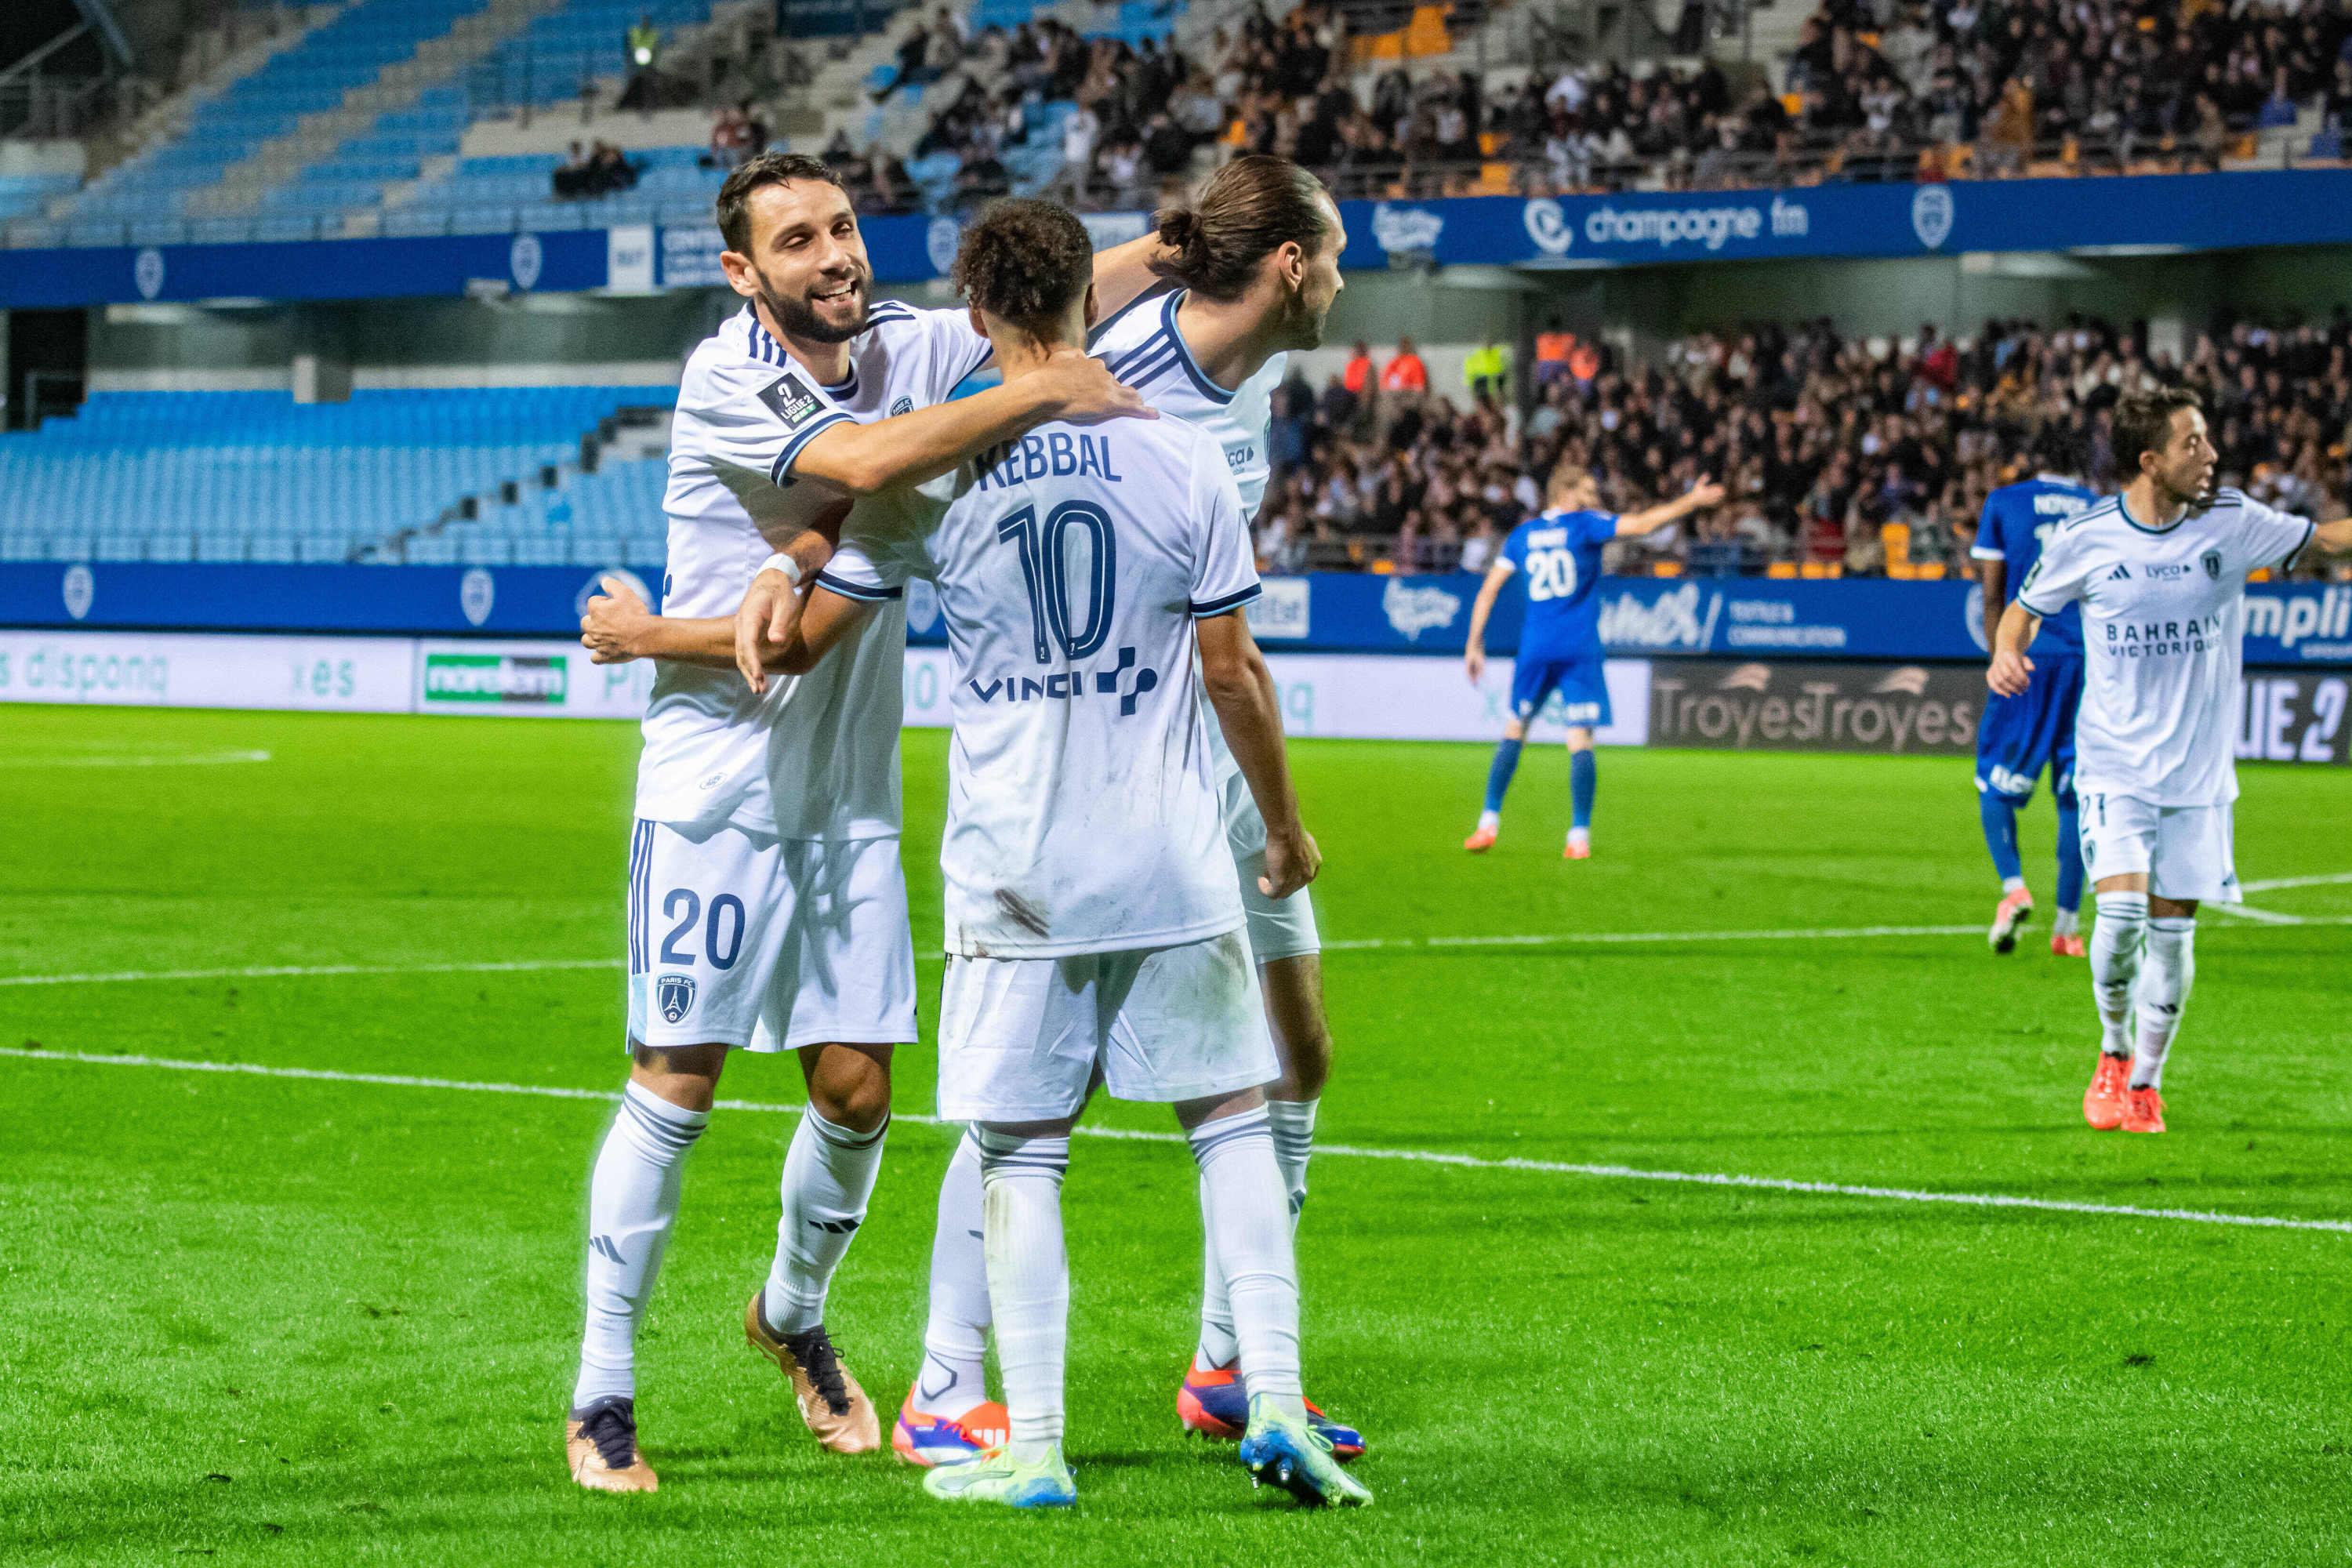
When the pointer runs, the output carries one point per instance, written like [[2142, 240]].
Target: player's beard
[[1301, 323], [799, 318]]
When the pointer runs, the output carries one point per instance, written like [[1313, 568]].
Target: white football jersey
[[1143, 349], [2164, 616], [816, 757], [1082, 810]]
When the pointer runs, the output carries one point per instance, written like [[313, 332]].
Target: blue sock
[[1583, 776], [2069, 854], [2000, 833], [1499, 777]]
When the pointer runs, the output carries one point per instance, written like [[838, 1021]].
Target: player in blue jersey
[[2023, 734], [1559, 643]]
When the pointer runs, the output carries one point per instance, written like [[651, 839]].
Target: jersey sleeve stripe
[[1103, 330], [1987, 552], [2036, 610], [781, 472], [1142, 369], [1201, 610], [1156, 344], [2310, 531], [864, 593]]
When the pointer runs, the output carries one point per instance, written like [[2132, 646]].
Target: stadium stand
[[1842, 457], [390, 475]]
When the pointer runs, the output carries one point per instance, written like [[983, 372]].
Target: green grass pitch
[[269, 1319]]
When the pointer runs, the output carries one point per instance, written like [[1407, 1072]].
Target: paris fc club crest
[[2211, 561], [1931, 215], [674, 993]]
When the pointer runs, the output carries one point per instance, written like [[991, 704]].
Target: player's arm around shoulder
[[911, 448]]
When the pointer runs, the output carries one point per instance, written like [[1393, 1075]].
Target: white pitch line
[[2271, 884], [1360, 944], [138, 759], [1330, 1150], [1545, 939], [301, 971]]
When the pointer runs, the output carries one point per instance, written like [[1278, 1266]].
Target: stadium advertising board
[[1816, 706], [155, 670], [2302, 624], [1802, 705], [2191, 212]]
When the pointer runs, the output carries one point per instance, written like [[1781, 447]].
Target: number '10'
[[1044, 566]]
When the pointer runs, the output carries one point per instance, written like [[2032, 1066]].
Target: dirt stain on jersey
[[1021, 912]]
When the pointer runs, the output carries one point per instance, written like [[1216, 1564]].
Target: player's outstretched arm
[[907, 450], [1700, 496], [618, 627], [2010, 672], [2335, 538], [1240, 688], [1473, 652]]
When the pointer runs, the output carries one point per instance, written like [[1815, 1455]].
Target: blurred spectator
[[915, 66], [642, 50], [1553, 345], [570, 176], [1405, 372], [1486, 371]]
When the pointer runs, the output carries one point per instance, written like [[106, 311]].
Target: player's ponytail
[[1247, 210]]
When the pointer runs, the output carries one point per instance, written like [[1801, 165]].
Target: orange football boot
[[2103, 1102], [2143, 1110], [1577, 849], [1480, 841], [2013, 910], [600, 1447], [2068, 946]]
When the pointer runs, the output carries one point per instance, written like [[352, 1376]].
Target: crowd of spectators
[[592, 170], [1839, 454], [1874, 89]]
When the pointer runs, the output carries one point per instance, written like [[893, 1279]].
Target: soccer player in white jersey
[[1093, 922], [2161, 574], [1251, 268], [767, 909]]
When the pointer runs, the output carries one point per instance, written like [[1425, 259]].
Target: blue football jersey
[[1558, 553], [2017, 518]]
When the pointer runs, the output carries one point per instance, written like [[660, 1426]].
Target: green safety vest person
[[644, 43]]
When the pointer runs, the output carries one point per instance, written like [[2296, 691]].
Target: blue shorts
[[2018, 736], [1583, 693]]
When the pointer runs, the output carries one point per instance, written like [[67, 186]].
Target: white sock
[[1490, 822], [1293, 1124], [2012, 885], [1028, 1281], [1249, 1228], [2065, 922], [828, 1176], [955, 1340], [2165, 977], [632, 1204], [2116, 941], [1580, 836]]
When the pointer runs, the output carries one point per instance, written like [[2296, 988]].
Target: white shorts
[[1021, 1038], [742, 939], [1279, 928], [2185, 851]]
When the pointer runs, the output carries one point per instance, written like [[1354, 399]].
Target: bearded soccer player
[[1249, 271], [767, 909], [1094, 924], [1560, 644], [2021, 735], [2159, 572]]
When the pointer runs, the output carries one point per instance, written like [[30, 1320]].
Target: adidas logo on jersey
[[2122, 574]]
